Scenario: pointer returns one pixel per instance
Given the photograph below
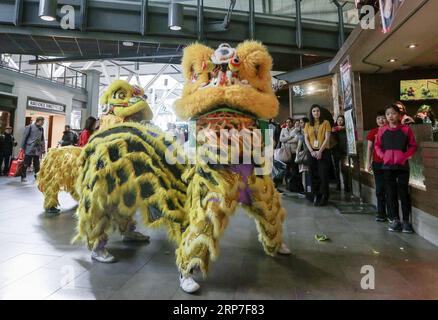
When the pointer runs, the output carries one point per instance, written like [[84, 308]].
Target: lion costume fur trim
[[123, 169], [58, 172]]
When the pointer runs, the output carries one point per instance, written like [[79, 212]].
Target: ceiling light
[[128, 43], [47, 10], [392, 60], [412, 46], [176, 16]]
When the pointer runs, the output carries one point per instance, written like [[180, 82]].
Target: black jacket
[[69, 138], [7, 143]]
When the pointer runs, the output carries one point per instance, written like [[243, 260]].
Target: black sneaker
[[395, 226], [381, 218], [407, 227], [53, 210], [316, 201], [324, 201], [23, 180]]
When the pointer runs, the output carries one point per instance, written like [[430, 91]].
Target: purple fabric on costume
[[245, 170], [101, 245], [153, 134]]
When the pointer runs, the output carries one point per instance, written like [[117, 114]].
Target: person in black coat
[[69, 137], [7, 143]]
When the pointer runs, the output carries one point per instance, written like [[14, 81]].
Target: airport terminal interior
[[218, 150]]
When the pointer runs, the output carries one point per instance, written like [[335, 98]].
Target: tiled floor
[[37, 260]]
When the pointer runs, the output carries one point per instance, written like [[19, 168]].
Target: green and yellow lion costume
[[123, 168]]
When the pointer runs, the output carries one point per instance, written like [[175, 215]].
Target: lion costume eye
[[119, 94]]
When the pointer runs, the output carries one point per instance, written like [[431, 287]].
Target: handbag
[[278, 171], [302, 156], [283, 154], [17, 165]]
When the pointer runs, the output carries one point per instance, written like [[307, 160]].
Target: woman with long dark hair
[[340, 152], [317, 136], [90, 127]]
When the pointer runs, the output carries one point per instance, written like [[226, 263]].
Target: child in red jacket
[[395, 144]]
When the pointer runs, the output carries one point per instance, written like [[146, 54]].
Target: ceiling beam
[[88, 65], [155, 78], [102, 58], [277, 30], [105, 71]]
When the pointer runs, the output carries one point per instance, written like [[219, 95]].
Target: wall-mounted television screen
[[426, 89]]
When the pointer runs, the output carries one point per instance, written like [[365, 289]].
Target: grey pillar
[[92, 87]]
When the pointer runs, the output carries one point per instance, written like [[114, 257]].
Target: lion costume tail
[[59, 172], [123, 169]]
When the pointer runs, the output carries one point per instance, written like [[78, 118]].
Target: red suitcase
[[17, 165]]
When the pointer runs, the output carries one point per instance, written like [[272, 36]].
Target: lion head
[[237, 78], [126, 101]]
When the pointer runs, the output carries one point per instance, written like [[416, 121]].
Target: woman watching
[[340, 152], [317, 135], [90, 128]]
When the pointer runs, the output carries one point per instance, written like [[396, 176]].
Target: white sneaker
[[188, 285], [135, 236], [284, 250], [102, 255]]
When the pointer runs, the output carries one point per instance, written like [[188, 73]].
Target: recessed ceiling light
[[48, 18], [128, 43], [392, 60], [412, 46]]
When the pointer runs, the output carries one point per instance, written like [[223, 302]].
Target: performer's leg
[[211, 199], [51, 199], [268, 213], [132, 235], [100, 252]]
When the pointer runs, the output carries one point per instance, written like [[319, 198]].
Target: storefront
[[399, 65], [309, 92], [54, 115], [8, 104], [308, 86], [23, 98]]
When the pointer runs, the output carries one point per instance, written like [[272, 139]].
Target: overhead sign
[[45, 106]]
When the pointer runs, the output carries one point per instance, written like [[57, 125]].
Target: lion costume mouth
[[237, 78]]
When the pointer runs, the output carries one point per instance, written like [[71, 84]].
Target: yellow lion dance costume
[[123, 168]]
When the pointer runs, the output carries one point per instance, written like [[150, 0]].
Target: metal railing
[[53, 72]]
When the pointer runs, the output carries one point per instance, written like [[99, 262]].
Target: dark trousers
[[293, 176], [28, 160], [6, 159], [381, 195], [397, 187], [319, 174], [341, 170]]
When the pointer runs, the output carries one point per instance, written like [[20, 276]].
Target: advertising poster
[[347, 95], [346, 85], [350, 128], [388, 10]]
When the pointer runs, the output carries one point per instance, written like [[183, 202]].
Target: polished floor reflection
[[37, 260]]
